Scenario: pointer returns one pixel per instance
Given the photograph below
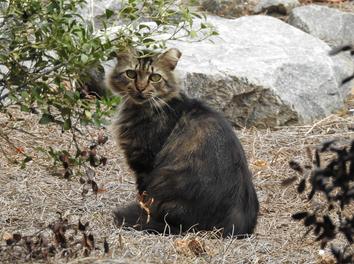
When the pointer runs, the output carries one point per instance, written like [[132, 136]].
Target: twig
[[318, 123], [25, 132], [33, 79], [5, 155]]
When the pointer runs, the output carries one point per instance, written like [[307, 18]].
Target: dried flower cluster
[[65, 240], [335, 182]]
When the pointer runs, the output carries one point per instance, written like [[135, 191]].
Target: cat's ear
[[126, 56], [123, 58], [169, 58]]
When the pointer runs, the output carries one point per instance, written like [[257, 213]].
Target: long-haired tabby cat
[[190, 168]]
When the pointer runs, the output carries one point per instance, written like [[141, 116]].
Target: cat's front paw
[[118, 216], [130, 216]]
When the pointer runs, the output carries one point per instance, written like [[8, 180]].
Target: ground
[[31, 197]]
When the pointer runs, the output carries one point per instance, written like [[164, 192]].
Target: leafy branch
[[50, 56]]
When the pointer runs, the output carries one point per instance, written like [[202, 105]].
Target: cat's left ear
[[169, 58]]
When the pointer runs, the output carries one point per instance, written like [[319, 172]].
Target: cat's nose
[[140, 87]]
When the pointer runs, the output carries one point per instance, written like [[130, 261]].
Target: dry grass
[[30, 198]]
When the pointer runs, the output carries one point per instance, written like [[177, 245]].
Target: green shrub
[[47, 51]]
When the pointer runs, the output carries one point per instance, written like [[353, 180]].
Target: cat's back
[[211, 123], [203, 134], [210, 162]]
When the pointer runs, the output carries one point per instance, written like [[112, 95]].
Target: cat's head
[[142, 79]]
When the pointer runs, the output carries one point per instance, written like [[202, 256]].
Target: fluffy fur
[[188, 163]]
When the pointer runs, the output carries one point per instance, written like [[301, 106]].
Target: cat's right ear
[[169, 58], [127, 56], [124, 58]]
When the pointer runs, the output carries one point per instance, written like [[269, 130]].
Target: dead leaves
[[71, 162], [20, 150], [325, 258], [105, 246], [82, 227], [260, 164], [24, 248], [191, 247], [11, 238], [59, 228], [101, 138], [88, 244], [63, 240], [89, 183]]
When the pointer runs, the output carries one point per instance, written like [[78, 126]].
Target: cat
[[191, 170]]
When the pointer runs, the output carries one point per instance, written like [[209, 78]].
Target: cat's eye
[[155, 77], [131, 74]]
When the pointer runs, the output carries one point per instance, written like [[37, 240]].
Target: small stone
[[225, 8]]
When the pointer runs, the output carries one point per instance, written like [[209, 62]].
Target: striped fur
[[188, 163]]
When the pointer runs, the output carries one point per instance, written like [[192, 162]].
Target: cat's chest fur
[[142, 132]]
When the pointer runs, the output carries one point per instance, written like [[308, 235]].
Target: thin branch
[[33, 79]]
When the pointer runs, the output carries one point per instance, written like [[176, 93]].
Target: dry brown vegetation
[[30, 199]]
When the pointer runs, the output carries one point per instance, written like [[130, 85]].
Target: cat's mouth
[[139, 98]]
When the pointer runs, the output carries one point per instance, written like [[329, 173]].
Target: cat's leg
[[134, 216], [129, 216], [239, 225], [173, 214], [158, 227], [242, 218]]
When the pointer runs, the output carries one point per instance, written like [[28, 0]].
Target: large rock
[[263, 72], [329, 24]]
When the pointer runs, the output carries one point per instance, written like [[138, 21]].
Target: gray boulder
[[282, 7], [263, 72], [331, 25]]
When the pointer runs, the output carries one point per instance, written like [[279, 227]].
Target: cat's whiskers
[[125, 98], [160, 111], [152, 105], [156, 105], [164, 103]]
